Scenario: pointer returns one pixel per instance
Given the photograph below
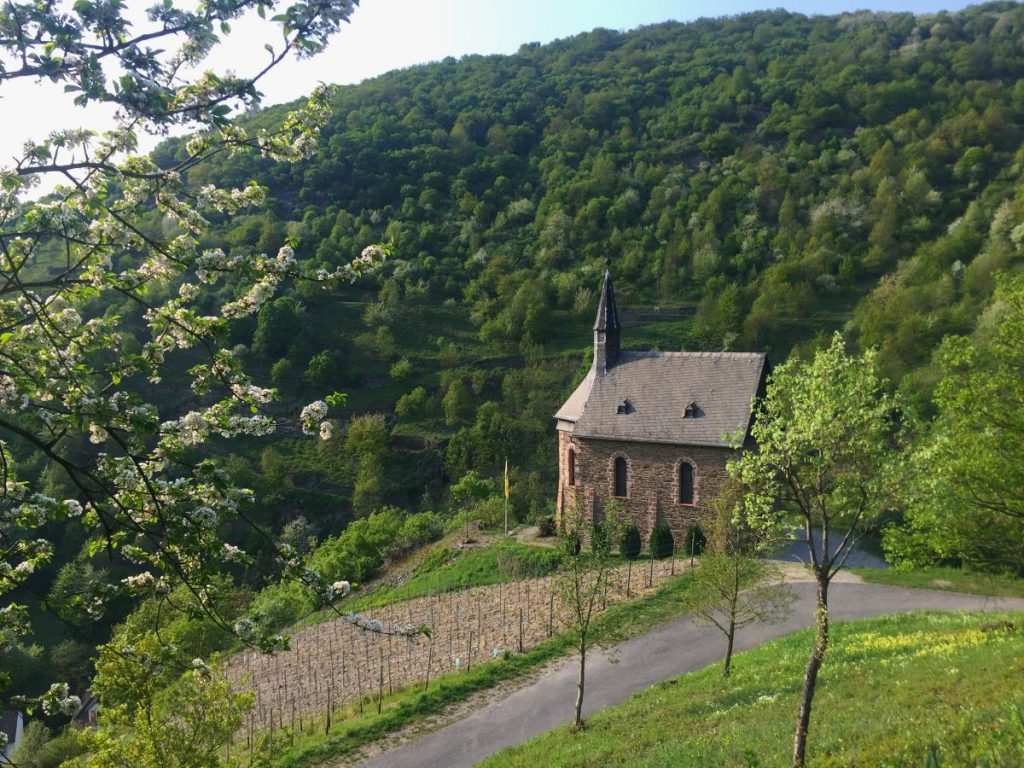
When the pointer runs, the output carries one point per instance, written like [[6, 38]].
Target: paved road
[[667, 651]]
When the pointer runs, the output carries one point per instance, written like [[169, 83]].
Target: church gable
[[677, 398]]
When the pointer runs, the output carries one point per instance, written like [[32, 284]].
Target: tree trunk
[[811, 674], [579, 687], [731, 635], [728, 649]]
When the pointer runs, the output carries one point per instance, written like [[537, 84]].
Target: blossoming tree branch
[[83, 344]]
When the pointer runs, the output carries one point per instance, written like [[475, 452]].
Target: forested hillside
[[755, 182], [772, 177]]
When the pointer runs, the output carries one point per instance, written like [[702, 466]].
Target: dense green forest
[[755, 182], [762, 180]]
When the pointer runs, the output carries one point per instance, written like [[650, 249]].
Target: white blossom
[[340, 589], [312, 415]]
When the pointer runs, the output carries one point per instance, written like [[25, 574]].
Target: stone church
[[653, 430]]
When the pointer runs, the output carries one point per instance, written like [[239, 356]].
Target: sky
[[390, 34]]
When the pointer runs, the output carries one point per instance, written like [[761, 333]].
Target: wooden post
[[330, 706], [551, 612], [520, 629], [469, 651], [650, 573], [359, 689], [629, 576], [390, 688], [380, 683], [430, 659]]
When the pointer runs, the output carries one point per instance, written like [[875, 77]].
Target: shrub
[[546, 527], [358, 551], [282, 371], [401, 370], [412, 405], [695, 541], [631, 543], [38, 750], [598, 537], [282, 604], [321, 369], [420, 529], [661, 543]]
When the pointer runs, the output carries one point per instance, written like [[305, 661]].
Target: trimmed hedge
[[661, 543], [695, 542], [631, 543]]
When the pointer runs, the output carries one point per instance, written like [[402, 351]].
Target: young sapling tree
[[826, 433], [583, 579], [734, 585]]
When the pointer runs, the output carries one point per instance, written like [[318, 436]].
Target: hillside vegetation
[[763, 180], [755, 182], [924, 689]]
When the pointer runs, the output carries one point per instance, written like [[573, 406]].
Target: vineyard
[[334, 664]]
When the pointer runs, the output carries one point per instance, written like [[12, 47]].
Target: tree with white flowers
[[84, 346]]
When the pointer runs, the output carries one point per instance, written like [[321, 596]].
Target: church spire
[[606, 328]]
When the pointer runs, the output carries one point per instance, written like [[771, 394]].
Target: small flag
[[506, 479]]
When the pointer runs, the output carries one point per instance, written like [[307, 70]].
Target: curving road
[[672, 649]]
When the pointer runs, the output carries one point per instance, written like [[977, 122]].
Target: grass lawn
[[352, 729], [446, 569], [948, 579], [892, 689]]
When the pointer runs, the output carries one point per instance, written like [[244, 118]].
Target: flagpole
[[506, 497]]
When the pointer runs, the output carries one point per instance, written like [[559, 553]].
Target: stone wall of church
[[652, 481]]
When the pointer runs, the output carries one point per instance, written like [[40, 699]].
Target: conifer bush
[[661, 543], [631, 543], [695, 541]]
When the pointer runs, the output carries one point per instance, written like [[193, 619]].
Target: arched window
[[685, 483], [620, 476], [572, 467]]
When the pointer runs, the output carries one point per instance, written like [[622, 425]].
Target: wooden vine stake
[[380, 683], [520, 629]]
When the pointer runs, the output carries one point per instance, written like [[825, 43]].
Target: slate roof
[[658, 387]]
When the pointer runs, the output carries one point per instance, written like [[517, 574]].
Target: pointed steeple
[[606, 328]]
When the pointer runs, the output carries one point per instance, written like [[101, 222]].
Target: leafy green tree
[[469, 491], [457, 402], [278, 325], [825, 441], [281, 372], [401, 370], [366, 441], [186, 726], [965, 477], [322, 369], [413, 404]]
